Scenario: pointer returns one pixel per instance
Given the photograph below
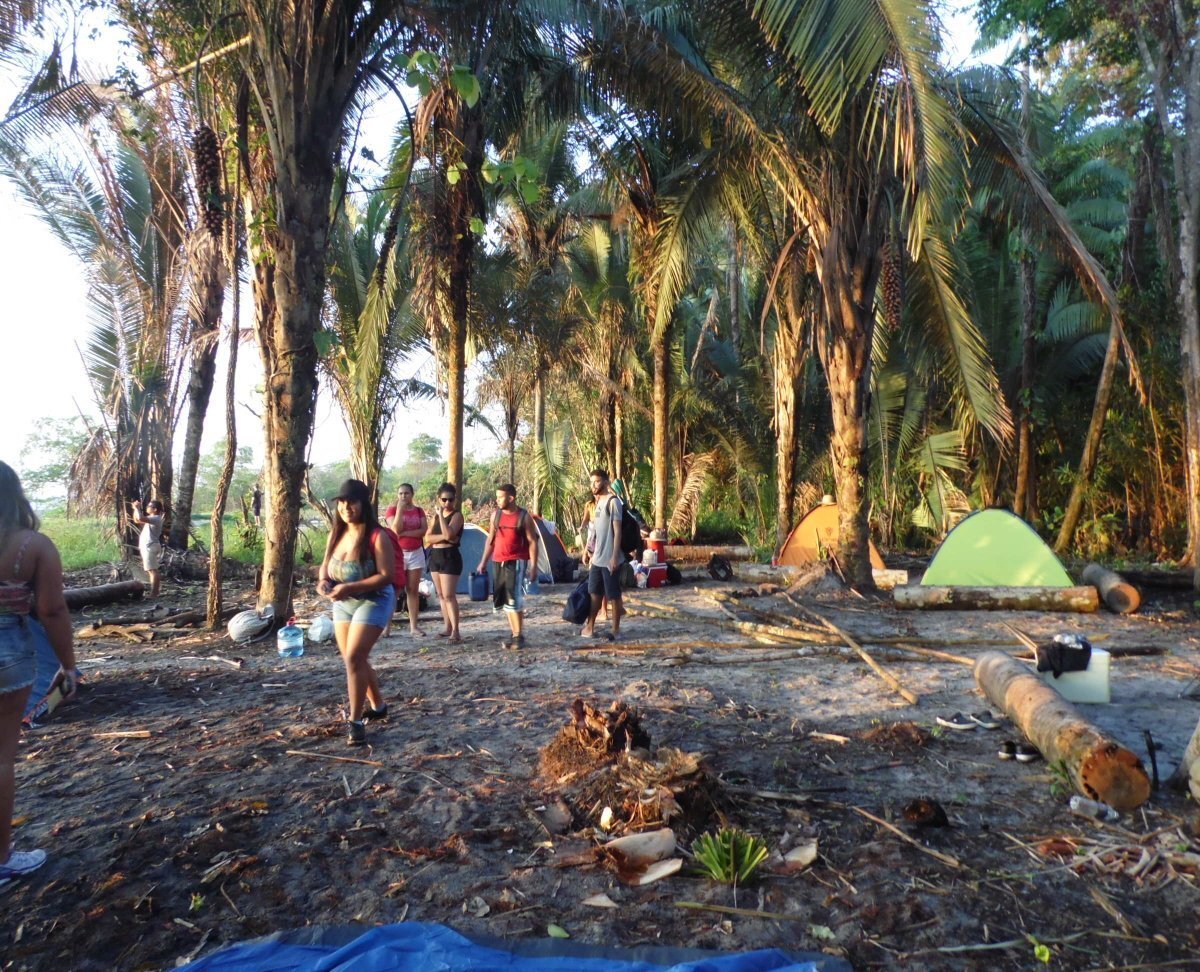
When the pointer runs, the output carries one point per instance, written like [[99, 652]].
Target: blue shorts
[[602, 581], [508, 585], [18, 657], [375, 608]]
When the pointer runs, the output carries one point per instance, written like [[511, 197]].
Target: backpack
[[579, 602], [399, 573], [632, 543]]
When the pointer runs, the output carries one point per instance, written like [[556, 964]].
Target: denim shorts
[[375, 608], [18, 658], [508, 585]]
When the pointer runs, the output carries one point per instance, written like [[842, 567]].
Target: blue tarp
[[417, 947]]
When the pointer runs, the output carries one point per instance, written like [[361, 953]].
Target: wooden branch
[[1118, 594], [1082, 600], [936, 855], [1100, 768], [887, 676], [81, 597], [671, 613], [336, 759]]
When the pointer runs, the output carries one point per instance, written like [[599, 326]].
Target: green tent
[[994, 548]]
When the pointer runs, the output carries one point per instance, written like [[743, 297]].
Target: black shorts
[[445, 560], [601, 580]]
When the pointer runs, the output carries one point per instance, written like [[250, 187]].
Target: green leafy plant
[[729, 856], [1061, 784], [1041, 952]]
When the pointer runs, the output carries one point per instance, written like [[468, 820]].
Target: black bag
[[673, 575], [632, 543], [579, 603]]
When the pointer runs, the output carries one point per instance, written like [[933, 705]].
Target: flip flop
[[956, 721], [985, 719]]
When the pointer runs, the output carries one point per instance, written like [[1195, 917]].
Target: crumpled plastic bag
[[321, 628]]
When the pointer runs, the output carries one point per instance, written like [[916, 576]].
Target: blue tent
[[416, 947]]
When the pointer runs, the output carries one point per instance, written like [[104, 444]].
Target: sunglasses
[[446, 499]]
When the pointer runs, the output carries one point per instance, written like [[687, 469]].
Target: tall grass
[[84, 543]]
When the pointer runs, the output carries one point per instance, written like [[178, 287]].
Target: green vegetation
[[82, 542], [730, 856]]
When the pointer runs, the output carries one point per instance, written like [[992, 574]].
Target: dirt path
[[209, 831]]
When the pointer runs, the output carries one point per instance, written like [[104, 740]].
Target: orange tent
[[814, 536]]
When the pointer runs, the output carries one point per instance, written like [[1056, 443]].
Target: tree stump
[[1100, 768], [1119, 595]]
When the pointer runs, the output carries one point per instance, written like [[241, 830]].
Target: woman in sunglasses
[[445, 557]]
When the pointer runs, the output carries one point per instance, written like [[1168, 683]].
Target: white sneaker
[[20, 863]]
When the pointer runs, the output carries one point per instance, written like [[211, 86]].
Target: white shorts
[[414, 559], [151, 556]]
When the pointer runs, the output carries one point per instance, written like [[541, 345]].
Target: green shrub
[[729, 856], [82, 542]]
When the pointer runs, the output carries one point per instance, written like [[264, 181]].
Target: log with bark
[[1100, 768], [1082, 600], [1188, 772], [701, 553], [80, 597], [1117, 593]]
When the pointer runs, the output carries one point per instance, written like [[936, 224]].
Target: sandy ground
[[212, 829]]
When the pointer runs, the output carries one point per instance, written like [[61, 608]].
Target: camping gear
[[657, 576], [471, 542], [479, 586], [632, 542], [579, 602], [994, 548], [1066, 653], [416, 947], [815, 537], [247, 626], [649, 556], [674, 576], [321, 628], [555, 566], [1091, 685], [289, 642], [659, 547], [719, 568]]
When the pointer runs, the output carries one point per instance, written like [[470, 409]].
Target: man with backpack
[[512, 543], [606, 559]]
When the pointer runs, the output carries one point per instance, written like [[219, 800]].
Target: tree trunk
[[1100, 768], [786, 362], [207, 296], [1082, 600], [1022, 498], [216, 549], [848, 397], [660, 350], [733, 284], [539, 431], [1118, 594], [81, 597], [290, 365], [618, 440]]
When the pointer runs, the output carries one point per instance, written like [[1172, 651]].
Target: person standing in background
[[256, 506], [603, 584], [410, 525], [31, 582], [150, 541], [513, 536], [445, 557]]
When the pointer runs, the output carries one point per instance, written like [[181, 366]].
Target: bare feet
[[443, 634], [456, 639]]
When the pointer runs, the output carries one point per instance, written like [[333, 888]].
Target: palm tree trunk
[[660, 350], [208, 295], [618, 464], [848, 381], [456, 370], [733, 283], [1022, 501], [290, 364], [787, 392], [539, 430]]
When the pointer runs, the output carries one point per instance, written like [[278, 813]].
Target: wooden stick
[[878, 669], [745, 912], [722, 597], [936, 855], [336, 759], [127, 734], [232, 662], [668, 612], [931, 653]]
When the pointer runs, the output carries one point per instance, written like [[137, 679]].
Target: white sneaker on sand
[[20, 863]]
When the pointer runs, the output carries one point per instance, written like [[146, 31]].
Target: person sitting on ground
[[150, 540], [410, 525], [602, 575], [513, 536], [30, 581], [445, 558], [357, 575]]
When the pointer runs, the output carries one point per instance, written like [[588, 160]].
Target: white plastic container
[[649, 557], [1091, 685]]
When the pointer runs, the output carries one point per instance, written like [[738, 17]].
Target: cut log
[[80, 597], [701, 554], [1100, 768], [1120, 596], [1082, 600]]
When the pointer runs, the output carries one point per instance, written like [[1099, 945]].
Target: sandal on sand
[[956, 721], [985, 719]]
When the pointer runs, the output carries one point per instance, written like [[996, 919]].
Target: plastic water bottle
[[290, 640], [1093, 809]]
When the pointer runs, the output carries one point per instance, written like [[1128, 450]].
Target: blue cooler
[[480, 585]]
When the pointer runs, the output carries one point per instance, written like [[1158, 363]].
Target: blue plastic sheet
[[417, 947]]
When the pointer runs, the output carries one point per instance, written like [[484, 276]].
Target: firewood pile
[[601, 764]]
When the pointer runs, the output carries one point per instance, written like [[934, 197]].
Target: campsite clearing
[[216, 826]]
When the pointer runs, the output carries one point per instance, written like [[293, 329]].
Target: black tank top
[[441, 524]]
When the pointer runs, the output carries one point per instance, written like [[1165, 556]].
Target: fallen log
[[1082, 600], [81, 597], [1188, 772], [1100, 768], [701, 553], [1118, 594]]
